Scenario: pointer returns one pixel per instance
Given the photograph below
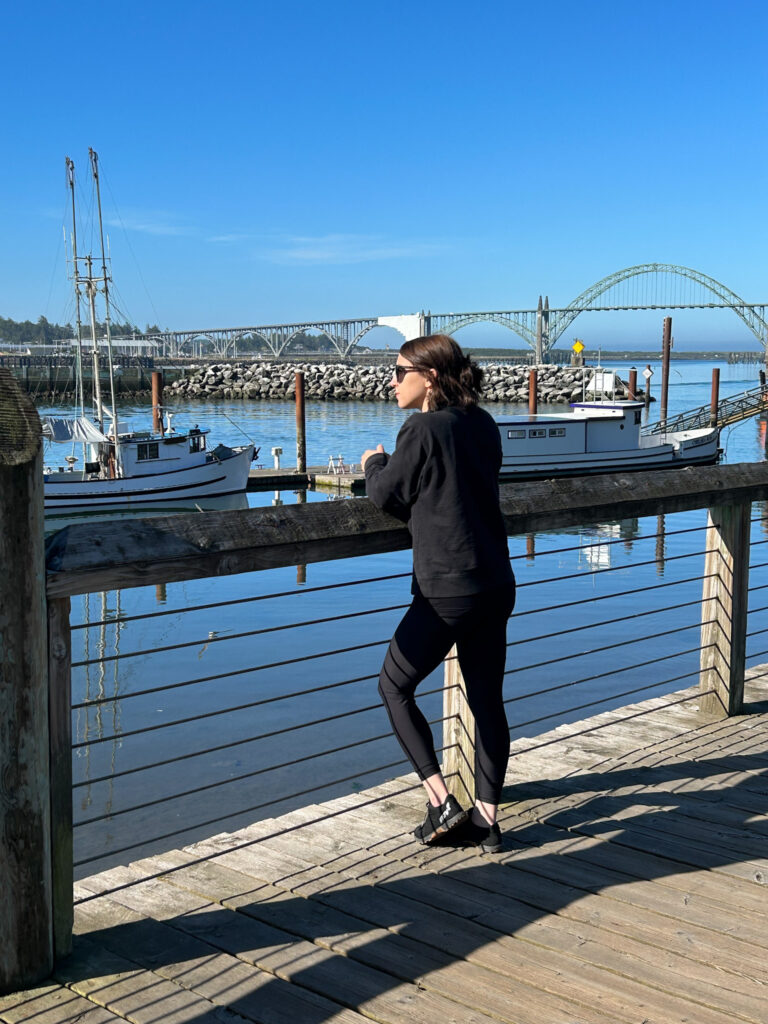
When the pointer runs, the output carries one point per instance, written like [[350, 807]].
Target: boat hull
[[69, 491], [663, 456]]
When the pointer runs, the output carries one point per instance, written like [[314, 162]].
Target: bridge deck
[[632, 889]]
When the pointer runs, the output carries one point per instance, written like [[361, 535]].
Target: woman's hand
[[378, 450]]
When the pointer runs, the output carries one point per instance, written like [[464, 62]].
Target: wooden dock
[[632, 889], [291, 479]]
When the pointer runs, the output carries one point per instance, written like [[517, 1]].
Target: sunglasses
[[400, 372]]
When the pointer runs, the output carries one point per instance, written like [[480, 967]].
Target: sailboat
[[133, 469]]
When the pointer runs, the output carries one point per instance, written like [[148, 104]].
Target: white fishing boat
[[126, 468], [598, 436]]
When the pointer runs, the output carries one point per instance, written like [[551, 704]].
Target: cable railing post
[[724, 610], [458, 734], [60, 726], [26, 947]]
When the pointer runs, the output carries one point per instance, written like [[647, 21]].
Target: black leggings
[[477, 624]]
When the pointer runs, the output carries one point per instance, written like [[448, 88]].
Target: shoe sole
[[451, 823]]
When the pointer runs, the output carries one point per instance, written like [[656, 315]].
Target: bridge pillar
[[411, 325]]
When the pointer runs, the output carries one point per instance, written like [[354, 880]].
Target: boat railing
[[729, 410], [190, 718]]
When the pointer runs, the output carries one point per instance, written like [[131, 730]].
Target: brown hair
[[456, 379]]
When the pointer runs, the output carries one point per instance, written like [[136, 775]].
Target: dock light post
[[276, 453]]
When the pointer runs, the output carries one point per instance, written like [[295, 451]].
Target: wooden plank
[[465, 940], [140, 996], [106, 556], [201, 968], [724, 609], [52, 1004]]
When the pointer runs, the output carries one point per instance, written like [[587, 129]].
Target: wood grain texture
[[110, 555], [25, 842]]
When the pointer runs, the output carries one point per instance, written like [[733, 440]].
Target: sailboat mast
[[79, 374], [90, 291], [107, 318]]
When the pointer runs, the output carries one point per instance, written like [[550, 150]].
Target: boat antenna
[[78, 296], [107, 319]]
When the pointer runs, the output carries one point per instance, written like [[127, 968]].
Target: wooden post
[[666, 346], [301, 434], [724, 610], [533, 394], [713, 408], [60, 719], [157, 401], [26, 945], [458, 734], [632, 385]]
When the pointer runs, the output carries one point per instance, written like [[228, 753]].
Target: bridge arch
[[560, 321], [524, 330], [310, 327]]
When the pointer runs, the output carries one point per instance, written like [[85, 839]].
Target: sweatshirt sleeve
[[392, 482]]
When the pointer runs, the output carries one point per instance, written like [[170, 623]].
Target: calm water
[[234, 653]]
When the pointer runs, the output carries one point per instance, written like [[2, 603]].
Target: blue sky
[[266, 163]]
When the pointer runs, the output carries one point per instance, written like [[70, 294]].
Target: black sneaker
[[440, 820], [487, 837]]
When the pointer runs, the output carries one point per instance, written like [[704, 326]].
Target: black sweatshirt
[[442, 479]]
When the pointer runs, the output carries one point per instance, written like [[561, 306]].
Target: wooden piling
[[666, 347], [157, 401], [458, 734], [26, 944], [632, 385], [715, 396], [301, 436], [724, 610], [532, 393]]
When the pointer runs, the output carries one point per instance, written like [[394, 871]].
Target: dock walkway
[[632, 889]]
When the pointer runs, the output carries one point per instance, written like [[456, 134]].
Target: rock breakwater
[[339, 382]]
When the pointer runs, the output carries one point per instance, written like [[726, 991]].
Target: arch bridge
[[662, 286]]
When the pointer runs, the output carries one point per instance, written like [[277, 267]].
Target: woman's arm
[[392, 481]]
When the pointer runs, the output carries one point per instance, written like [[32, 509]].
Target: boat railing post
[[26, 907], [724, 610], [458, 734]]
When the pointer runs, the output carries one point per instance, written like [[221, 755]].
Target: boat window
[[537, 432], [515, 435], [197, 442], [637, 416], [148, 451], [557, 431]]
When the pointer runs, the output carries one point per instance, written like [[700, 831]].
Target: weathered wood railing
[[104, 556]]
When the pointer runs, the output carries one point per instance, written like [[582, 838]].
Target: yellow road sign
[[578, 346]]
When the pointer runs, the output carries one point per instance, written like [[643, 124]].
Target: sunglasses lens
[[399, 374]]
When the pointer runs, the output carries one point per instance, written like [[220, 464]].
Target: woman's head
[[440, 375]]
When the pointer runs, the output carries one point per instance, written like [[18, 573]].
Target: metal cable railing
[[162, 751]]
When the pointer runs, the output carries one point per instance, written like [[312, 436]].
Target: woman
[[442, 479]]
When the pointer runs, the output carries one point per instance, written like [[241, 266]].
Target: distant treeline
[[24, 332]]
